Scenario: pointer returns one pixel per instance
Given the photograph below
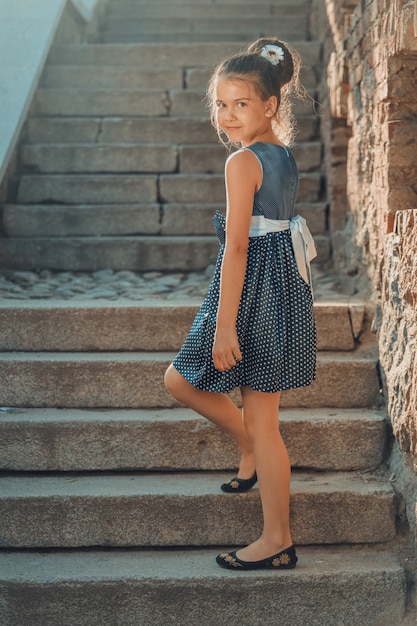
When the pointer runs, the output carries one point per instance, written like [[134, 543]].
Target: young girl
[[255, 329]]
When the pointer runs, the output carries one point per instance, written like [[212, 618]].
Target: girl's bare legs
[[260, 411], [219, 409]]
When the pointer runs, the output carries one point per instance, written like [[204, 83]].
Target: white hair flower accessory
[[274, 54]]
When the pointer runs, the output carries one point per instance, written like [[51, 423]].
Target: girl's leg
[[260, 411], [219, 409]]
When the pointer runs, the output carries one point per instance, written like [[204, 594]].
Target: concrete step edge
[[154, 356], [79, 510], [359, 586], [91, 440], [67, 325], [162, 484], [133, 380], [172, 53], [324, 561], [133, 253]]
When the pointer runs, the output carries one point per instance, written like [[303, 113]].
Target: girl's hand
[[226, 351]]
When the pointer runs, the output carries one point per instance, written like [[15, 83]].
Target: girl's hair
[[280, 79]]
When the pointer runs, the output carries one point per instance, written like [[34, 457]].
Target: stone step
[[89, 220], [112, 158], [65, 440], [135, 380], [238, 38], [131, 102], [93, 189], [148, 102], [330, 586], [156, 325], [134, 253], [133, 509], [143, 158], [131, 5], [165, 10], [153, 55], [294, 25], [84, 220], [178, 130], [107, 77], [141, 253], [209, 22], [125, 188]]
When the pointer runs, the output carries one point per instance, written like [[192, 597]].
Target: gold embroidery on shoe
[[283, 559], [230, 559], [234, 484]]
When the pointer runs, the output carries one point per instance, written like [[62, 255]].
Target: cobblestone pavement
[[113, 285]]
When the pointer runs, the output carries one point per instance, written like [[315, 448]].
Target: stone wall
[[369, 96]]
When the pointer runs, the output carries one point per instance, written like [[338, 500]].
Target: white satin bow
[[302, 240]]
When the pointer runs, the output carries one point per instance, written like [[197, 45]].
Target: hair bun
[[280, 56]]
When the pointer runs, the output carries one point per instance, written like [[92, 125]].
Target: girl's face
[[241, 113]]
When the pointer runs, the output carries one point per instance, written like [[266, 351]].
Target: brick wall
[[369, 96]]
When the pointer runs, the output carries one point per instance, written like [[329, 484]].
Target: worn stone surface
[[139, 27], [80, 440], [159, 319], [99, 158], [93, 189], [136, 380], [142, 253], [330, 588], [184, 509], [54, 101], [169, 55], [111, 77], [82, 220], [119, 130]]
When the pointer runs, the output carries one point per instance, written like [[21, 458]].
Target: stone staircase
[[95, 454], [119, 165], [110, 507]]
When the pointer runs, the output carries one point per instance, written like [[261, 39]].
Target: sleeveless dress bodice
[[279, 172]]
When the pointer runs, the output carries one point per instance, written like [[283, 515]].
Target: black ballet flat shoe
[[239, 485], [287, 559]]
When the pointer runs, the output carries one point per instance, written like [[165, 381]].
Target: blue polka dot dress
[[275, 322]]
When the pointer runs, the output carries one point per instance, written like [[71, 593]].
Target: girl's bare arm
[[243, 177]]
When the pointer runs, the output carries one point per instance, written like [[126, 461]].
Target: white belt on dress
[[302, 240]]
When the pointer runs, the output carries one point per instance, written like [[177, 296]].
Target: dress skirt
[[275, 325]]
